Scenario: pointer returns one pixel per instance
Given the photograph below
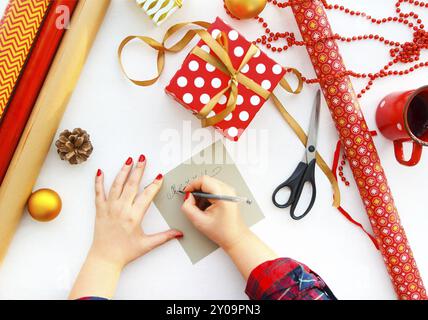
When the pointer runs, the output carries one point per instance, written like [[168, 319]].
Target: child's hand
[[119, 238], [221, 221]]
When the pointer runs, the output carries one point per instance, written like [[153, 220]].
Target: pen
[[219, 197]]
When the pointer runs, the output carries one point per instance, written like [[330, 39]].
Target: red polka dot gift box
[[198, 82]]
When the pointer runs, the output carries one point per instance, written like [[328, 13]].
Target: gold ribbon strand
[[161, 48], [222, 62]]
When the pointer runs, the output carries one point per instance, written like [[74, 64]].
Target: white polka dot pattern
[[233, 132], [199, 82], [182, 82], [255, 100], [215, 33], [266, 84], [277, 69], [193, 65], [244, 116], [216, 83], [205, 98], [245, 68], [239, 52], [233, 35], [206, 48], [210, 67], [228, 117], [188, 98], [261, 68]]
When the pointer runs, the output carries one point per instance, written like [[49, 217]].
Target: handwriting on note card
[[175, 187], [169, 202]]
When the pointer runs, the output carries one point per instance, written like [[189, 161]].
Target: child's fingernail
[[179, 235], [129, 161], [159, 176], [142, 158], [99, 172], [186, 196]]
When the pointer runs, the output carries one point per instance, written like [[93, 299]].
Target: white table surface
[[125, 120]]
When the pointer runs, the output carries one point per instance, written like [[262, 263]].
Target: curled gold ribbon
[[286, 86], [221, 61], [161, 48]]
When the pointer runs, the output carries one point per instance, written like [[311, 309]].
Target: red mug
[[403, 117]]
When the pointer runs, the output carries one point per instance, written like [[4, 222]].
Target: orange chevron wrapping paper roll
[[18, 30], [360, 149]]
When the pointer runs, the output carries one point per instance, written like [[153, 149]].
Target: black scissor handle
[[308, 177], [292, 183]]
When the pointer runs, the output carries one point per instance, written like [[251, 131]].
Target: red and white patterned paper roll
[[360, 149]]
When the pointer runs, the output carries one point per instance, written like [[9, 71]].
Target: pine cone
[[75, 147]]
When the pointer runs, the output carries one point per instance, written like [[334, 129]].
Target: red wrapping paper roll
[[360, 149], [30, 84]]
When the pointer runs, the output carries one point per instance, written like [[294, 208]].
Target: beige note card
[[213, 161]]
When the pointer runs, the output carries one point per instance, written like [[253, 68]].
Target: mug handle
[[414, 158]]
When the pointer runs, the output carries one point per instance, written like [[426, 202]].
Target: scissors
[[305, 171]]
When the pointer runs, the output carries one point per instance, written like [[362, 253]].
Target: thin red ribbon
[[340, 208]]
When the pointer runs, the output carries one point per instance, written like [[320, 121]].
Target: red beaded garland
[[408, 52], [341, 174]]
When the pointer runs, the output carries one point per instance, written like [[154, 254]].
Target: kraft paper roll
[[46, 115], [360, 149], [29, 85]]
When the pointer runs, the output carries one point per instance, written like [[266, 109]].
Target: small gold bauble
[[44, 205], [245, 9]]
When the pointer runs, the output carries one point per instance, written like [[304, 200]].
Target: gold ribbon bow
[[223, 63]]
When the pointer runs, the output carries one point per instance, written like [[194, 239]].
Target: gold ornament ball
[[245, 9], [44, 205]]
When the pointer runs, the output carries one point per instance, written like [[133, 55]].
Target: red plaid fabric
[[286, 279], [281, 279]]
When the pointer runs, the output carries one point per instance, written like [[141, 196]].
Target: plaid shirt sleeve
[[286, 279]]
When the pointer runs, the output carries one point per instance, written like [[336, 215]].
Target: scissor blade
[[311, 145]]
